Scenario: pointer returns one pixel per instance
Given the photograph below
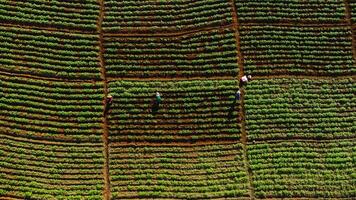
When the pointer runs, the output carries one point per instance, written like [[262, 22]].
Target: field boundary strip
[[168, 34], [269, 141], [176, 33], [240, 65], [48, 78], [50, 29], [105, 136], [303, 76], [349, 20]]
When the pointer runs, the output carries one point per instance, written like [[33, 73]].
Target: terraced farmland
[[290, 134]]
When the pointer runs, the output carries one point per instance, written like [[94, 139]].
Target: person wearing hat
[[108, 102], [245, 78], [158, 98], [109, 99], [238, 95]]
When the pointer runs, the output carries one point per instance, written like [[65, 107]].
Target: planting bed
[[49, 54], [164, 16], [275, 50], [300, 108], [207, 54]]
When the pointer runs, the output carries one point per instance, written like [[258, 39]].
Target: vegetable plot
[[80, 15], [353, 11], [207, 53], [147, 16], [187, 148], [171, 170], [300, 108], [51, 110], [41, 169], [50, 54], [274, 50], [190, 110], [267, 11], [50, 139], [304, 169]]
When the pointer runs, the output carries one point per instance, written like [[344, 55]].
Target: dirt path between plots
[[107, 191], [44, 78], [46, 28], [168, 34], [315, 77], [240, 63]]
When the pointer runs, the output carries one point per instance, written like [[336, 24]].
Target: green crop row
[[210, 53], [33, 169], [190, 110], [54, 13], [303, 169], [328, 11], [165, 16], [300, 108], [298, 50], [49, 109], [51, 54], [178, 172]]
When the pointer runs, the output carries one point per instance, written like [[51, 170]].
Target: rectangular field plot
[[80, 15], [148, 16], [51, 110], [207, 53], [304, 169], [327, 11], [271, 50], [40, 169], [49, 53], [353, 11], [300, 108], [184, 171], [189, 111]]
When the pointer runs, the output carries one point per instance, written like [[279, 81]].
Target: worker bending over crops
[[245, 78], [158, 98], [238, 95], [108, 102]]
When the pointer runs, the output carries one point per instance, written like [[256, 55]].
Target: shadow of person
[[232, 106], [155, 107]]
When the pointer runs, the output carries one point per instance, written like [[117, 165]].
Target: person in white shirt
[[245, 78]]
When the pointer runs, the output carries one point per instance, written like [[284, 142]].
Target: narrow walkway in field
[[106, 192], [316, 77], [349, 20], [44, 78], [47, 28], [168, 34], [240, 63]]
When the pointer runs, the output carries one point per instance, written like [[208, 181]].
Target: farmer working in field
[[108, 102], [238, 95], [245, 79], [158, 98]]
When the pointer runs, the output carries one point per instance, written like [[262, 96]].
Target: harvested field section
[[204, 54], [316, 11], [304, 169], [51, 110], [36, 169], [190, 111], [76, 15], [300, 108], [49, 54], [147, 16], [192, 171], [276, 50]]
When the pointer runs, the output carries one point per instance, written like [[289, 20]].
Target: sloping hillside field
[[180, 123]]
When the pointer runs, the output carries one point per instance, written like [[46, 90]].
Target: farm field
[[289, 134]]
